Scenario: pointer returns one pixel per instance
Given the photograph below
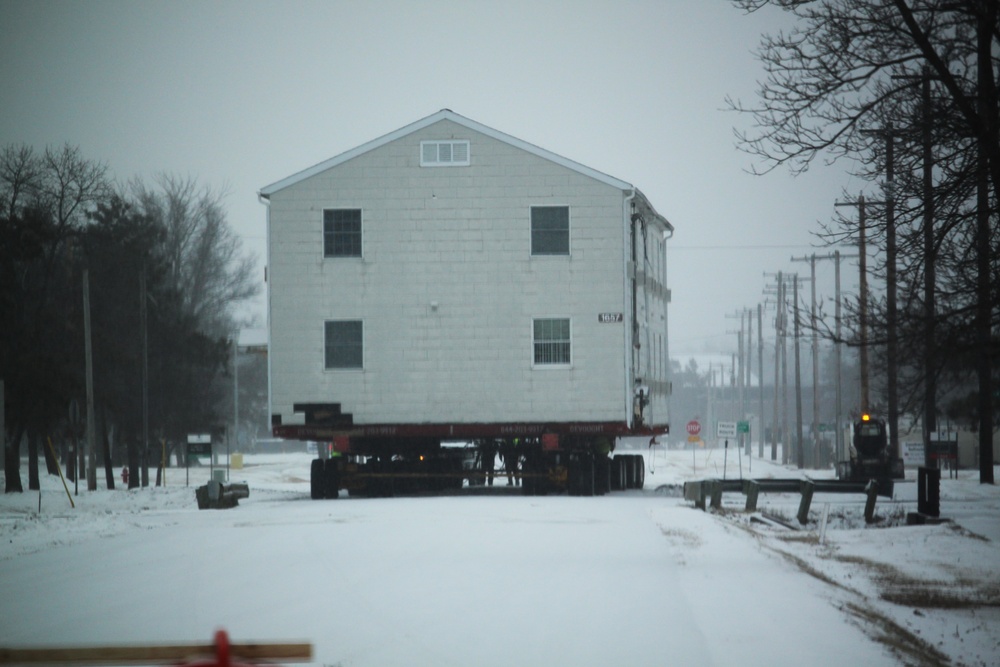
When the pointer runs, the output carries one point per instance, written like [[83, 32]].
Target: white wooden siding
[[458, 238]]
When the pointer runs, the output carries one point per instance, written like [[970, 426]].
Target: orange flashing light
[[865, 418]]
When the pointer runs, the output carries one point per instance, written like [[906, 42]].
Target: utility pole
[[710, 408], [749, 375], [930, 259], [236, 401], [777, 370], [777, 366], [89, 360], [841, 452], [836, 256], [3, 432], [732, 388], [863, 296], [892, 310], [863, 289], [781, 371], [760, 376], [930, 384], [144, 326], [799, 454], [815, 354], [983, 324], [739, 373], [786, 432]]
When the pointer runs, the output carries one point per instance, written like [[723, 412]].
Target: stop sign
[[693, 427]]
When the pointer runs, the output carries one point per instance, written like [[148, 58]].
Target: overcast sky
[[242, 94]]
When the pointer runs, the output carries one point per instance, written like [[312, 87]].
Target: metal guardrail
[[710, 491]]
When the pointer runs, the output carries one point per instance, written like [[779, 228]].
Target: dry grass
[[908, 647]]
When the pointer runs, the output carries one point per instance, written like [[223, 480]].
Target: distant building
[[450, 273]]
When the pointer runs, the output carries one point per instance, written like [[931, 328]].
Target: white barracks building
[[452, 280]]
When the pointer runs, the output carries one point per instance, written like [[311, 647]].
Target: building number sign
[[610, 318]]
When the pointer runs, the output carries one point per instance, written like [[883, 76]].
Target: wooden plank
[[150, 655]]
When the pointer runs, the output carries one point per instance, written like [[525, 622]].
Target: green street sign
[[743, 427]]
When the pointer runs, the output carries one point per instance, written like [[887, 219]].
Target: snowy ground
[[633, 578]]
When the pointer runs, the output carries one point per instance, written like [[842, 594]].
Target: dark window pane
[[344, 344], [342, 232], [550, 230]]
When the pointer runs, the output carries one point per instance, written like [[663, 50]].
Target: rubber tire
[[331, 480], [573, 477], [529, 483], [317, 480], [588, 475], [628, 462], [602, 474], [640, 471], [617, 473]]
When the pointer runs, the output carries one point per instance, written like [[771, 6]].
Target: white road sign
[[726, 430]]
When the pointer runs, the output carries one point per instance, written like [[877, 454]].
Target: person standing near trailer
[[488, 458], [510, 455]]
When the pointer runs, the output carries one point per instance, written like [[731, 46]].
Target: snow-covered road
[[633, 578]]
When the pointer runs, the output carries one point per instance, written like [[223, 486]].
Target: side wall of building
[[447, 288], [651, 356]]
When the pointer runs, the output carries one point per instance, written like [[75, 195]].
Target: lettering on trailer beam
[[379, 430], [586, 428], [521, 429]]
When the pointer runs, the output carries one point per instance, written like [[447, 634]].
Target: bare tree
[[209, 276], [203, 253], [851, 67], [44, 200]]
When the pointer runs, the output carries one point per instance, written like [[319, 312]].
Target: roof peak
[[443, 114]]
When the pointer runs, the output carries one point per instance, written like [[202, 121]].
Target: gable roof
[[444, 114]]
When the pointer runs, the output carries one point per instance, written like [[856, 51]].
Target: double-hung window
[[342, 232], [344, 344], [551, 341], [549, 230]]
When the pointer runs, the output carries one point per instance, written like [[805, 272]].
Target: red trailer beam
[[319, 432]]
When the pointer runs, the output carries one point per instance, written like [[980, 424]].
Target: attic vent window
[[444, 153]]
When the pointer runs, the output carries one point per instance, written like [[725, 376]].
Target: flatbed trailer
[[404, 459]]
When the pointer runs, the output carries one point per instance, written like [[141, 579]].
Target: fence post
[[929, 491], [871, 490], [807, 489], [752, 489], [716, 487]]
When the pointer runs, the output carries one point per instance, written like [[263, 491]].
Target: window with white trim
[[342, 232], [550, 338], [344, 344], [444, 153], [550, 230]]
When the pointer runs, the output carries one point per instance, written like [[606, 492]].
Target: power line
[[734, 247]]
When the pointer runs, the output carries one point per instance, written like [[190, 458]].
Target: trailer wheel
[[529, 483], [316, 480], [331, 480], [581, 474], [574, 477], [617, 474], [628, 464], [640, 471], [602, 474]]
